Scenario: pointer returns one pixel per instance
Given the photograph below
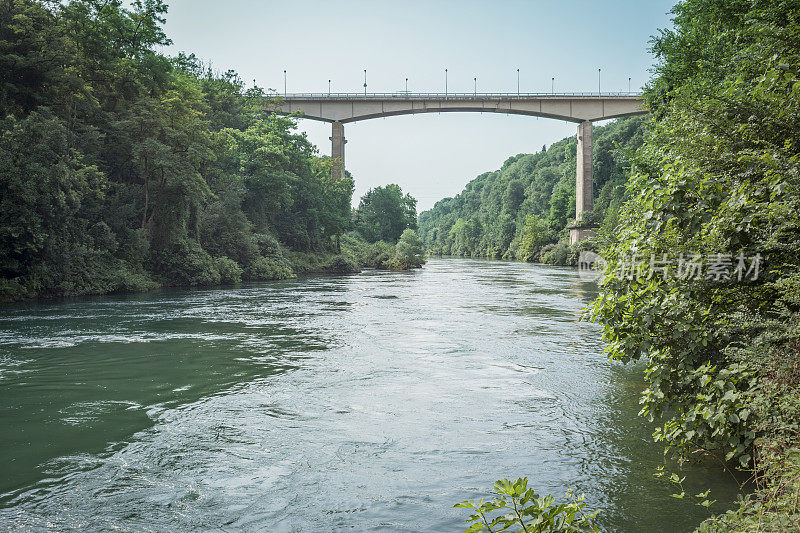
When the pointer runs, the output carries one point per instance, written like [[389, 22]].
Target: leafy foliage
[[384, 213], [409, 251], [121, 168], [718, 174], [522, 507]]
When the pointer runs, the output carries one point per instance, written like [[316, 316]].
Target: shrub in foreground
[[521, 507]]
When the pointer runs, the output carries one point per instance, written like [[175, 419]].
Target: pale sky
[[431, 156]]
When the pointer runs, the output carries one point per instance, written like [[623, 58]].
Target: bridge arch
[[583, 109]]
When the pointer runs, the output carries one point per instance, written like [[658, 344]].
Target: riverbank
[[557, 254], [775, 402], [275, 262]]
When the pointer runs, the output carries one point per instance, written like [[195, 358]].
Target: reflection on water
[[371, 402]]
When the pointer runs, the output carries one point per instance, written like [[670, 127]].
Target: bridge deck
[[351, 107]]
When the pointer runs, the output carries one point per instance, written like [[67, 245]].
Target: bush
[[409, 251], [354, 246], [341, 264], [528, 510], [268, 245], [184, 262], [380, 255], [588, 245], [556, 254], [11, 289], [135, 281], [271, 263], [229, 270], [535, 234], [268, 268]]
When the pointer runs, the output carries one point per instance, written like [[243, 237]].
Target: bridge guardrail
[[444, 96]]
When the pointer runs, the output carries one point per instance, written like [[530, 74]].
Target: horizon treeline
[[124, 169]]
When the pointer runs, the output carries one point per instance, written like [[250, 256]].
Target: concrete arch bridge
[[581, 108]]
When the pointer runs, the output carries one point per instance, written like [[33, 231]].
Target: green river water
[[371, 402]]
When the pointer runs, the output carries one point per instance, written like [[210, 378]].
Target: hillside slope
[[527, 205]]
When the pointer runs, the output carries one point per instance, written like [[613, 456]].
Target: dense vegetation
[[384, 213], [385, 216], [124, 169], [522, 210], [718, 179]]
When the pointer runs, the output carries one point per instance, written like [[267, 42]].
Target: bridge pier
[[583, 183], [337, 149]]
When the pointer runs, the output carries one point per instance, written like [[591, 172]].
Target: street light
[[517, 82], [598, 82], [629, 86], [445, 83], [329, 87], [406, 84], [552, 85], [475, 79], [365, 82], [284, 83]]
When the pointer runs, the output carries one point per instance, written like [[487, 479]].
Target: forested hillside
[[123, 169], [522, 210]]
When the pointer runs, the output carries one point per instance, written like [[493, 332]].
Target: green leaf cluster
[[383, 214], [518, 508], [409, 252]]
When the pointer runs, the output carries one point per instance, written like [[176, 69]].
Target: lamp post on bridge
[[552, 86], [517, 82], [598, 82], [284, 83], [445, 83], [329, 88], [406, 85], [475, 79], [629, 85], [365, 82]]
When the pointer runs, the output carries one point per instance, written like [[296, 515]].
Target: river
[[372, 402]]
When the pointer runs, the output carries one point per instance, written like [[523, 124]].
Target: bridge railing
[[406, 95]]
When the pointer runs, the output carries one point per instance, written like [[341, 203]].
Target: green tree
[[535, 234], [43, 187], [384, 213], [122, 166], [514, 196], [409, 251], [541, 184]]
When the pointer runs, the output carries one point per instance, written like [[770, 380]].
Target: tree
[[123, 168], [541, 184], [43, 185], [514, 196], [384, 212], [409, 251], [535, 234]]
